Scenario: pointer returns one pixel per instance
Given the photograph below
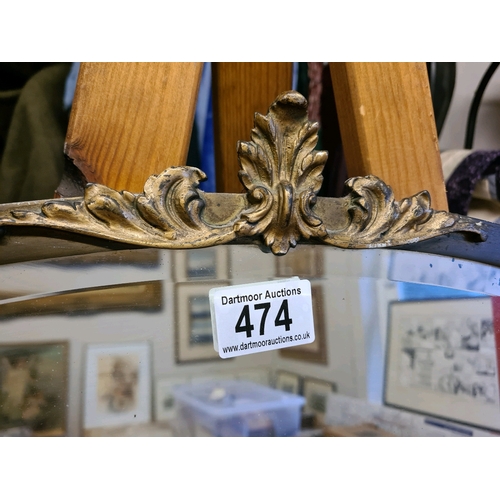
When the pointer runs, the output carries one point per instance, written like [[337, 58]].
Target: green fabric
[[32, 161], [8, 100]]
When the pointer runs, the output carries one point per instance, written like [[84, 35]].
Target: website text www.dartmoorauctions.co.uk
[[264, 343]]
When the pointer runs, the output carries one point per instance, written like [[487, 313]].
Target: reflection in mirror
[[121, 342]]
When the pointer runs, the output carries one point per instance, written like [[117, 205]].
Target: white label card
[[261, 317]]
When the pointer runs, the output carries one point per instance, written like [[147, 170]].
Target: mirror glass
[[120, 344]]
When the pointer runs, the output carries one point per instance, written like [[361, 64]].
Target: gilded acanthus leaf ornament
[[167, 214], [376, 219], [282, 174]]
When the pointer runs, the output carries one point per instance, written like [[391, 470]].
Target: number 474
[[244, 323]]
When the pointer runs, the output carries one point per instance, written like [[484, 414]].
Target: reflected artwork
[[202, 263], [451, 355], [288, 382], [194, 335], [443, 361], [33, 388], [118, 383], [316, 393], [201, 321]]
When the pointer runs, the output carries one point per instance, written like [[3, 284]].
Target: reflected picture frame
[[117, 384], [442, 359], [288, 382], [316, 392], [136, 296], [316, 351], [193, 332], [34, 388], [165, 404], [201, 264]]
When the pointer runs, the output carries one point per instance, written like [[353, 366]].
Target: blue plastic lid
[[223, 398]]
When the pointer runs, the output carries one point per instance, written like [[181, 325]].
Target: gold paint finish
[[281, 172]]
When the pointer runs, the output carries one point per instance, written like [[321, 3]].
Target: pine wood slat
[[240, 89], [387, 126], [131, 120]]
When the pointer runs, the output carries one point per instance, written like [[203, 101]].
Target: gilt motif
[[282, 173]]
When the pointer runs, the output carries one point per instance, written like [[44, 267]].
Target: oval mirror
[[107, 328]]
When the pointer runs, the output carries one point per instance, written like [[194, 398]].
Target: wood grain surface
[[131, 120], [387, 126], [240, 89]]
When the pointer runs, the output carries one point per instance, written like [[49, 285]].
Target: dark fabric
[[461, 183], [13, 77], [315, 74], [335, 171], [32, 161], [8, 101]]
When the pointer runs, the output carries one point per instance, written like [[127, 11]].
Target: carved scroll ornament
[[282, 174]]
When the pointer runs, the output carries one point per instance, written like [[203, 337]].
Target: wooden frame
[[442, 359], [33, 388], [315, 352], [138, 257], [194, 337], [142, 296], [362, 430]]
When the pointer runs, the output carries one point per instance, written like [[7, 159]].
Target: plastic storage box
[[236, 408]]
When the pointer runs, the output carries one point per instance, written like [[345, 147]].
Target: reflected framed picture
[[117, 384], [194, 337], [315, 352], [303, 261], [202, 264], [165, 407], [288, 382], [33, 389], [141, 296], [137, 257], [442, 359], [316, 392]]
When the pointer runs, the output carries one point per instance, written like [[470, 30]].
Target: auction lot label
[[261, 317]]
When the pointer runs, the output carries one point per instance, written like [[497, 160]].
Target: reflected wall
[[103, 339]]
